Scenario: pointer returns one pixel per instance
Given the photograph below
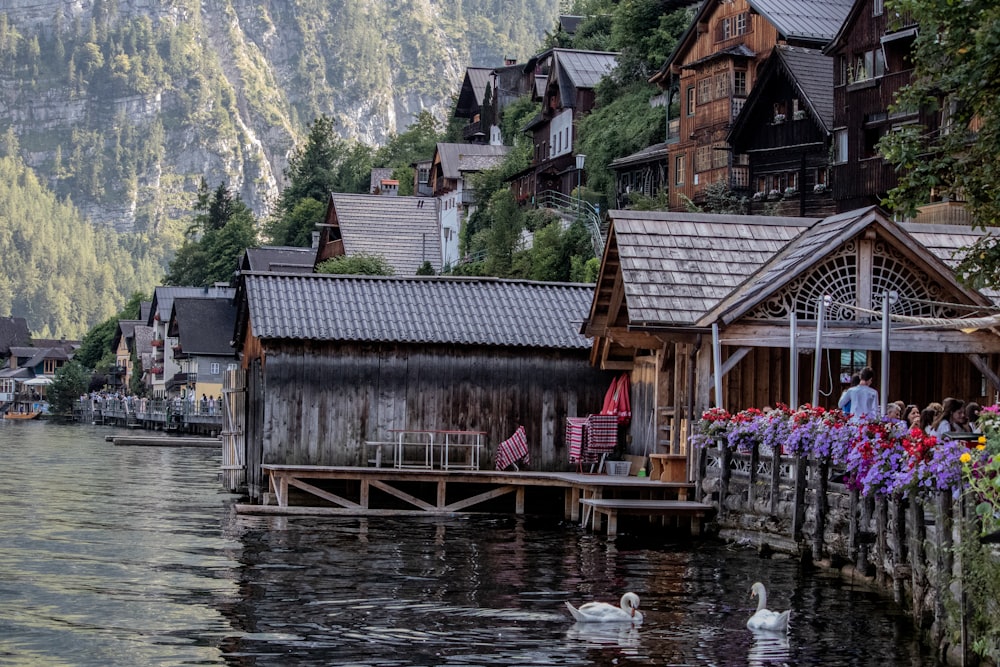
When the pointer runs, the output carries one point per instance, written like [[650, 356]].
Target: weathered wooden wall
[[322, 402]]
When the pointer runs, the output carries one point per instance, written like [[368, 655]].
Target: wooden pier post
[[775, 480], [799, 506], [821, 469]]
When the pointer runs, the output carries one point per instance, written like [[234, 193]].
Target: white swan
[[602, 612], [763, 618]]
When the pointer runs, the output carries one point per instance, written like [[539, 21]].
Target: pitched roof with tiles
[[458, 158], [163, 298], [205, 326], [470, 95], [431, 310], [403, 230], [279, 258], [796, 19], [678, 266], [582, 69]]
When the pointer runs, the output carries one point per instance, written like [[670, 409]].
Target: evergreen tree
[[70, 382]]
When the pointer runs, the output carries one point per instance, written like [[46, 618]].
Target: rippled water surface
[[132, 556]]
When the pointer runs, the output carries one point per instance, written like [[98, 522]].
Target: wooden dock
[[162, 441], [370, 491]]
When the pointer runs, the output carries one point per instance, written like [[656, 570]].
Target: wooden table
[[668, 467]]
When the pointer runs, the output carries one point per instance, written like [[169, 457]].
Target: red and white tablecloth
[[513, 450], [576, 433]]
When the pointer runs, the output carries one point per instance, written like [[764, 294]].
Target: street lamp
[[580, 158]]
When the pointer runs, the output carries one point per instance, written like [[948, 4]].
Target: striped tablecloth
[[513, 450], [576, 433]]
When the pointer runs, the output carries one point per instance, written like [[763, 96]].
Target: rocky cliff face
[[125, 105]]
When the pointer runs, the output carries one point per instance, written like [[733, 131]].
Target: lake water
[[133, 556]]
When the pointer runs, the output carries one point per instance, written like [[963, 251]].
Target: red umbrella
[[616, 400]]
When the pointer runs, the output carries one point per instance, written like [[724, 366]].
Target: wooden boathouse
[[335, 362]]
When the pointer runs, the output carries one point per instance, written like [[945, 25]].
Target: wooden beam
[[984, 367], [402, 495], [316, 491], [480, 498], [734, 359], [901, 340]]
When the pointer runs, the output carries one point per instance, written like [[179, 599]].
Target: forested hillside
[[57, 270]]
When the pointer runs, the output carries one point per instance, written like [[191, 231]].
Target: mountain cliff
[[123, 106]]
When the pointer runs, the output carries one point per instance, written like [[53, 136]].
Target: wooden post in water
[[853, 531], [881, 541], [726, 460], [775, 480], [799, 505], [917, 534], [821, 468]]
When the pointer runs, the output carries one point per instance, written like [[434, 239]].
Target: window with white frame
[[840, 146], [214, 368], [679, 170]]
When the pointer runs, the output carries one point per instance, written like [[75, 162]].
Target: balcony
[[157, 343], [473, 131]]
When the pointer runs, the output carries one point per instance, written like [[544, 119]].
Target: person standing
[[845, 398], [863, 398]]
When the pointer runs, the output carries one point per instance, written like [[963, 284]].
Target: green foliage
[[296, 228], [625, 125], [719, 198], [981, 589], [955, 70], [60, 273], [95, 349], [425, 269], [69, 383], [360, 264], [222, 230]]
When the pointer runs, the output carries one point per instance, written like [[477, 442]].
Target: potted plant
[[779, 118], [819, 188]]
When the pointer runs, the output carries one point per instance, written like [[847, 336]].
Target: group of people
[[952, 415]]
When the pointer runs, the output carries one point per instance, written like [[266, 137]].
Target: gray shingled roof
[[163, 297], [813, 20], [456, 158], [434, 310], [470, 96], [205, 326], [654, 152], [280, 258], [812, 73], [584, 69], [678, 266], [403, 230], [810, 247]]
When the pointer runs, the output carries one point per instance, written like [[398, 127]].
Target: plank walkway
[[373, 491], [162, 441]]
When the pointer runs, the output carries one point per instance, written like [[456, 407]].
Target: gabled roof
[[581, 69], [126, 329], [458, 158], [812, 247], [204, 326], [403, 230], [430, 310], [143, 340], [470, 97], [810, 73], [13, 331], [797, 21], [163, 298], [678, 266], [648, 154], [279, 258]]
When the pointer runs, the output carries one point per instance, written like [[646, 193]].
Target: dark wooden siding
[[323, 401]]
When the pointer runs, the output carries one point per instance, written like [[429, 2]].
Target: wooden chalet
[[676, 290], [122, 344], [568, 96], [712, 71], [203, 329], [405, 231], [473, 100], [335, 361], [451, 167], [785, 130], [872, 62], [643, 173]]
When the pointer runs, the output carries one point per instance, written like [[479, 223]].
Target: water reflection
[[132, 556]]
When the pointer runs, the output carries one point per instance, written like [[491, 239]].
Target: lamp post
[[580, 158]]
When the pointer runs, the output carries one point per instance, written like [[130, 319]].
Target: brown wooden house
[[871, 55], [712, 71], [679, 289], [335, 361], [785, 130], [567, 96]]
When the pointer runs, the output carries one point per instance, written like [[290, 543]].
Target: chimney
[[315, 239]]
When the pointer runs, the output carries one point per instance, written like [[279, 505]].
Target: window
[[691, 106], [720, 156], [232, 366], [739, 83], [722, 85], [679, 170], [705, 90], [702, 159], [741, 23], [869, 65], [423, 174], [727, 28], [878, 6], [840, 146], [215, 368]]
